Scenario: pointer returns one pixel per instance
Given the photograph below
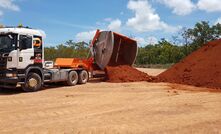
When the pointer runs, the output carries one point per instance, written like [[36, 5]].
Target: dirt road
[[108, 108]]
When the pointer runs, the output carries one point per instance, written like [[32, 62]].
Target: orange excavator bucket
[[113, 49]]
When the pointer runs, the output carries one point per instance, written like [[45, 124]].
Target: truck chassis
[[34, 78]]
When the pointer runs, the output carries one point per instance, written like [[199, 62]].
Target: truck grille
[[2, 74], [3, 63]]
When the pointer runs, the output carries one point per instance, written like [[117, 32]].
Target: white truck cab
[[22, 60], [19, 45]]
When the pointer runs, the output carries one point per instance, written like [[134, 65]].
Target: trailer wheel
[[72, 78], [33, 83], [83, 77]]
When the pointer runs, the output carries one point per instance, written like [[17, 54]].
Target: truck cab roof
[[25, 31]]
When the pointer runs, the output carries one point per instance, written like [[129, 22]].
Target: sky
[[147, 21]]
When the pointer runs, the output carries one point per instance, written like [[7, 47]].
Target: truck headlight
[[9, 58], [11, 75]]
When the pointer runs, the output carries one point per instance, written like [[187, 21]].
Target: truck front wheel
[[72, 78], [33, 83]]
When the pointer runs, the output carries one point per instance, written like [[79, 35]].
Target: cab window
[[25, 42]]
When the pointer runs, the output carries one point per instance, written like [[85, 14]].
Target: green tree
[[69, 50], [201, 34], [163, 52]]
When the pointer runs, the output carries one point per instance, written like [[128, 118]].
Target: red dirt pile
[[125, 73], [202, 68]]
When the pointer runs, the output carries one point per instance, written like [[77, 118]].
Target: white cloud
[[185, 7], [180, 7], [85, 36], [150, 40], [218, 21], [8, 4], [115, 25], [108, 19], [141, 41], [145, 18], [209, 5]]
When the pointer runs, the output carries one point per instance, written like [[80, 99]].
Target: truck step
[[47, 75], [47, 80]]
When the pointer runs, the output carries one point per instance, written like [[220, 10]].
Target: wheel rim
[[32, 82], [73, 78], [84, 76]]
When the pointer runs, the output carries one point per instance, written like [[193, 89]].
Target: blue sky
[[145, 20]]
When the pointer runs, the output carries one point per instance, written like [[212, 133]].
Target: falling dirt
[[202, 68], [125, 73]]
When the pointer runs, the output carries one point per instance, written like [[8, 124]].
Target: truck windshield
[[8, 42]]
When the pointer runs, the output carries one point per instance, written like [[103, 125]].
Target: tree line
[[163, 52], [69, 49], [187, 41]]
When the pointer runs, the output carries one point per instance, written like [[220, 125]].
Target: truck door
[[25, 52], [38, 51]]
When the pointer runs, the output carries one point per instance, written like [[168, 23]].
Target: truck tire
[[83, 77], [33, 83], [72, 78]]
